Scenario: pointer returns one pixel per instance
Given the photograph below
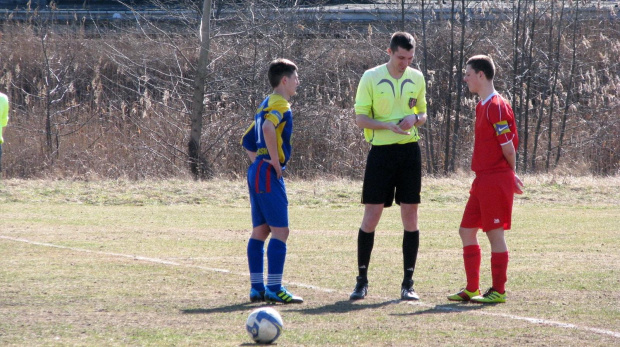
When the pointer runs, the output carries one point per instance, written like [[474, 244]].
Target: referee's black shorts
[[393, 171]]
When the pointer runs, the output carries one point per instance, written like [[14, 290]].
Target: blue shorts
[[267, 196]]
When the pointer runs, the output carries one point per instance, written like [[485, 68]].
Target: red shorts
[[490, 202]]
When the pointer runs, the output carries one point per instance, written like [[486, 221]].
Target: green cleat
[[490, 297], [464, 295]]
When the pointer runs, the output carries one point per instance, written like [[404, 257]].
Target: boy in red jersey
[[490, 201]]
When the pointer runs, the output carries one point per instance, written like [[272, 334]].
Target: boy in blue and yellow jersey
[[390, 105], [268, 144]]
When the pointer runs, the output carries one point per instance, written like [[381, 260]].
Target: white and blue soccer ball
[[264, 325]]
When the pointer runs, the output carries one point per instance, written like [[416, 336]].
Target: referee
[[390, 105]]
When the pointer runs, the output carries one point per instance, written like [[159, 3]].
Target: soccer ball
[[264, 325]]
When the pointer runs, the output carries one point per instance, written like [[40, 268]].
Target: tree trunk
[[431, 161], [528, 86], [516, 77], [48, 99], [539, 117], [446, 166], [556, 68], [569, 90], [518, 109], [197, 162], [459, 89], [544, 80], [515, 54], [402, 15]]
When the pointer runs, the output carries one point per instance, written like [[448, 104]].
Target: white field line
[[533, 320], [326, 290]]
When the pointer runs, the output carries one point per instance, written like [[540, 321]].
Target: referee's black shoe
[[407, 292], [361, 289]]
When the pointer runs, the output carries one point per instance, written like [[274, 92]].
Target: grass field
[[117, 263]]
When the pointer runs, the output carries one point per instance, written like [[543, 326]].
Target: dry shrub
[[118, 98]]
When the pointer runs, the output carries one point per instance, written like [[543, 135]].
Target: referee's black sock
[[365, 242], [411, 242]]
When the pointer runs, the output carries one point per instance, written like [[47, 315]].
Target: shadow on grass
[[344, 306], [222, 309], [448, 308]]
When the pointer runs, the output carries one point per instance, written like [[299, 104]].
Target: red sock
[[499, 265], [471, 258]]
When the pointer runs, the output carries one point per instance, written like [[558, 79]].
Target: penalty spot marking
[[326, 290]]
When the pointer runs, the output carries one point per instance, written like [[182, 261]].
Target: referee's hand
[[408, 122], [396, 128]]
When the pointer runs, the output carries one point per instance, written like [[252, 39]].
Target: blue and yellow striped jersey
[[277, 110]]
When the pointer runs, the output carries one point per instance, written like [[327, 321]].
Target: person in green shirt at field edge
[[390, 105], [4, 119]]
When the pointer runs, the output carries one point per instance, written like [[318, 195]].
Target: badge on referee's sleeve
[[412, 102]]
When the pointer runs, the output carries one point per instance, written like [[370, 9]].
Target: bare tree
[[118, 96], [569, 90], [528, 86], [543, 81], [459, 88], [556, 69], [448, 136], [515, 50], [198, 164], [431, 161]]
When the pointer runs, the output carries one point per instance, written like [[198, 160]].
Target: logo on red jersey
[[501, 127]]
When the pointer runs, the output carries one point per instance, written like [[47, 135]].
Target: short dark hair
[[403, 40], [482, 63], [278, 69]]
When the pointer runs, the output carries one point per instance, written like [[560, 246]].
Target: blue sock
[[276, 255], [255, 261]]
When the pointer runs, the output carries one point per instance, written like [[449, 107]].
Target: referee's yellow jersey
[[4, 113], [386, 99]]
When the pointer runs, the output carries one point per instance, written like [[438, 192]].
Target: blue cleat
[[257, 296]]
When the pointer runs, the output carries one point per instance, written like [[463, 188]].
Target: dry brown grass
[[118, 100], [159, 263]]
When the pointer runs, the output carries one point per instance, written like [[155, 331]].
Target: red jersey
[[495, 127]]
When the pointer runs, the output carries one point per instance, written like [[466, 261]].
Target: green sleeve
[[4, 114], [4, 110], [420, 106], [363, 97]]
